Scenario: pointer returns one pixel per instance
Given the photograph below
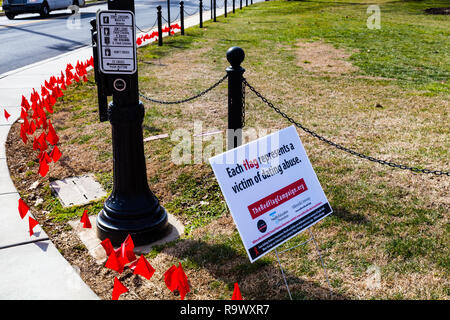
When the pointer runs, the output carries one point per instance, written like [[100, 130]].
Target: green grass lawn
[[389, 98]]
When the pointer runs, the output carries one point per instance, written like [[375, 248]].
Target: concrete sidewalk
[[32, 267]]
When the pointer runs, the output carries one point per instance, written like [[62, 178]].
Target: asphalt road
[[28, 38]]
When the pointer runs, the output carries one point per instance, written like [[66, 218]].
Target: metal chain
[[154, 24], [190, 14], [188, 99], [341, 147]]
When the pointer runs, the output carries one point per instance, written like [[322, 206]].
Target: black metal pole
[[132, 208], [235, 56], [215, 18], [102, 97], [251, 2], [201, 13], [234, 6], [182, 17], [159, 17], [225, 7], [168, 15], [240, 4], [212, 16], [246, 3]]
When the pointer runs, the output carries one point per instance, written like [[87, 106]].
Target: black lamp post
[[131, 208]]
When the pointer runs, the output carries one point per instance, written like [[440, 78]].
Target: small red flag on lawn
[[118, 289], [7, 115], [23, 208], [107, 245], [170, 278], [23, 134], [143, 268], [32, 223], [183, 285], [236, 293], [85, 220], [114, 263], [55, 154], [126, 250], [175, 278], [43, 167]]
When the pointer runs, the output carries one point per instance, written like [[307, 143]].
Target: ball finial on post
[[235, 56]]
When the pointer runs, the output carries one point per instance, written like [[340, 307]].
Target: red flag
[[144, 268], [36, 145], [107, 245], [55, 154], [23, 113], [31, 128], [23, 134], [170, 278], [48, 85], [43, 167], [7, 115], [26, 125], [32, 223], [114, 263], [118, 289], [43, 156], [63, 86], [25, 103], [85, 220], [23, 208], [236, 293], [44, 90], [183, 285], [42, 142], [46, 103], [126, 250], [51, 137]]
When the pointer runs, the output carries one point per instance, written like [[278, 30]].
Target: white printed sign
[[116, 41], [271, 189]]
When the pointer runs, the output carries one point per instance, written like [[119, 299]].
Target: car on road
[[43, 7]]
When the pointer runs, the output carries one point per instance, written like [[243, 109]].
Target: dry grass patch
[[323, 58]]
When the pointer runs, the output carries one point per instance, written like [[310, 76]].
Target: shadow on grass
[[261, 280], [347, 216]]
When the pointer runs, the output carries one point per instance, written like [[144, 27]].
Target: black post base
[[143, 230]]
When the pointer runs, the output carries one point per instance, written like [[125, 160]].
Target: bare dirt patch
[[319, 57]]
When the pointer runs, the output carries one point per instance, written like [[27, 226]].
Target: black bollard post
[[159, 17], [211, 7], [234, 6], [225, 7], [251, 2], [131, 209], [201, 13], [246, 3], [168, 15], [215, 18], [182, 17], [240, 4], [235, 56]]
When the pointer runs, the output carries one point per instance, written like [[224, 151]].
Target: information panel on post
[[116, 42], [271, 189]]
